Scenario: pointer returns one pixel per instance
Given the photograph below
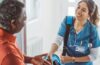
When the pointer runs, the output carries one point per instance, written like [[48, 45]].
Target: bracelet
[[73, 59]]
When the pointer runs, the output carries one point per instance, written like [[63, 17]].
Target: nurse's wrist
[[73, 59]]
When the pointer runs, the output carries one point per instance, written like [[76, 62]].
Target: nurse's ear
[[88, 17]]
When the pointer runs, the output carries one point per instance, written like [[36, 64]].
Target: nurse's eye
[[78, 7], [84, 10]]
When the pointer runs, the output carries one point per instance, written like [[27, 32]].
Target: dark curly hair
[[10, 10]]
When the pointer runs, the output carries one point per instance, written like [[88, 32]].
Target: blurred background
[[43, 20]]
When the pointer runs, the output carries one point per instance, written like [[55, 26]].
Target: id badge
[[80, 49]]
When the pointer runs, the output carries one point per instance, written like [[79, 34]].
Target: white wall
[[47, 21], [50, 16], [45, 25]]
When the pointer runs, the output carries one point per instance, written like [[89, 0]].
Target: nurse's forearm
[[82, 59], [53, 48], [66, 59]]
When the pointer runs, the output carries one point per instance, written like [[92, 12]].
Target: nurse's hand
[[66, 59]]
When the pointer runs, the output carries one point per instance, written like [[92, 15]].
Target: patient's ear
[[16, 26], [12, 24]]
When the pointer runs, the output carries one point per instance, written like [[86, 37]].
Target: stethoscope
[[78, 48]]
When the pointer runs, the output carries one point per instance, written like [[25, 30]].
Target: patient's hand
[[38, 60]]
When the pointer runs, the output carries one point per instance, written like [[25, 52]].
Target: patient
[[12, 17]]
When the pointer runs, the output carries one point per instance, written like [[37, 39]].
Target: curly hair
[[10, 10]]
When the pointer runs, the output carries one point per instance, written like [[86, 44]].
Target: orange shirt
[[9, 53]]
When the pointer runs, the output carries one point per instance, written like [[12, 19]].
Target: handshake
[[40, 60], [44, 59]]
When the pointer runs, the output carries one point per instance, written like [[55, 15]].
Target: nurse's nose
[[79, 12]]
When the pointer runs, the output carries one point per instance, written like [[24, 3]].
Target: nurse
[[83, 41]]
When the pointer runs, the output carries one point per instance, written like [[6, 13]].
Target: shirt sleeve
[[94, 53], [61, 32], [62, 28], [95, 41], [95, 38], [58, 40], [27, 59], [12, 59]]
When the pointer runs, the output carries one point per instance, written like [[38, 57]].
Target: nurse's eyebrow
[[84, 9], [78, 5]]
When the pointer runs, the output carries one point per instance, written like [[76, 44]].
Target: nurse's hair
[[93, 11], [10, 10]]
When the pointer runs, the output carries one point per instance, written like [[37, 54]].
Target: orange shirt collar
[[5, 36]]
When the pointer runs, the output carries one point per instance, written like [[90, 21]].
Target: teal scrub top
[[78, 44]]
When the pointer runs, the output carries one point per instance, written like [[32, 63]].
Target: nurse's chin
[[79, 18]]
